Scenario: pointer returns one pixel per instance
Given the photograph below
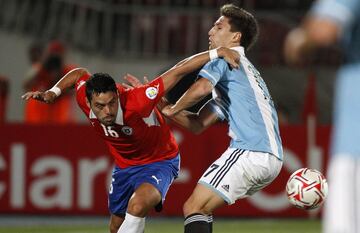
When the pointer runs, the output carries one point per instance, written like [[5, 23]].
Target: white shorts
[[240, 173]]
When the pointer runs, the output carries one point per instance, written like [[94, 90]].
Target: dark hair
[[99, 83], [242, 21]]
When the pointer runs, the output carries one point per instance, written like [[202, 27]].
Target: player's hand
[[46, 97], [168, 111], [162, 103], [231, 56], [294, 47], [133, 81]]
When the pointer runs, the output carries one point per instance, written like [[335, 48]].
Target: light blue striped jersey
[[244, 101], [345, 13]]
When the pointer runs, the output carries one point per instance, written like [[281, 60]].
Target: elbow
[[197, 131], [197, 128], [82, 71], [208, 89], [204, 87]]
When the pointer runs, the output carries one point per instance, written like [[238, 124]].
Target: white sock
[[132, 224]]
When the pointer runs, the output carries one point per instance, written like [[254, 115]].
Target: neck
[[231, 45]]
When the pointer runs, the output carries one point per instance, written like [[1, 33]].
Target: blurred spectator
[[327, 23], [43, 75], [35, 52], [4, 87]]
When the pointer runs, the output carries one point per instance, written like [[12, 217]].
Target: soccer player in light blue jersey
[[329, 22], [240, 96]]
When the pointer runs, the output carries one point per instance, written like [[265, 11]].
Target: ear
[[237, 37]]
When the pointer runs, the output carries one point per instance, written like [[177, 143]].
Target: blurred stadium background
[[45, 170]]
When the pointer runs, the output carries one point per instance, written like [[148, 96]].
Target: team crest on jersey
[[151, 92], [127, 130]]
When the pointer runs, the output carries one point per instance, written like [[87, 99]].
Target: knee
[[190, 208], [138, 208]]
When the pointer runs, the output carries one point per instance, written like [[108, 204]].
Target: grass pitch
[[155, 225]]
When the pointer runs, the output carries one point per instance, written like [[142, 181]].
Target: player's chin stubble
[[108, 122]]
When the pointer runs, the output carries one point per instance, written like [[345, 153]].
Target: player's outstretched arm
[[66, 82], [199, 90], [195, 122], [172, 76]]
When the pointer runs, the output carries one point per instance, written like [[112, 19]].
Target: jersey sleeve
[[214, 70], [344, 14], [143, 99], [216, 108], [81, 93]]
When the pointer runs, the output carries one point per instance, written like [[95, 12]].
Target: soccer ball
[[306, 188]]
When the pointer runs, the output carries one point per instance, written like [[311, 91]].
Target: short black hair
[[242, 21], [99, 83]]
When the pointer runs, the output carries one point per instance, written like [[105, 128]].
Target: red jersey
[[140, 134]]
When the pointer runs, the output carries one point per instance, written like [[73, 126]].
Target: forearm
[[174, 75], [69, 80], [199, 90], [196, 122], [186, 66], [187, 120]]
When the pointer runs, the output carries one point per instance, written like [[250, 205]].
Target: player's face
[[105, 107], [220, 34]]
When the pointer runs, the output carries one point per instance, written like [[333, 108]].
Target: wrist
[[55, 90], [213, 53], [173, 109]]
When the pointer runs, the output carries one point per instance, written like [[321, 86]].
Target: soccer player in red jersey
[[144, 149]]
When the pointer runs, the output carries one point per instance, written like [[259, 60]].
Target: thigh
[[217, 176], [121, 189], [240, 173], [160, 175], [260, 169], [126, 181]]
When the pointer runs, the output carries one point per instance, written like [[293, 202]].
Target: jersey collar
[[119, 117], [240, 49]]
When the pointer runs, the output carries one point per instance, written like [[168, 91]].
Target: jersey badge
[[151, 92], [127, 130]]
